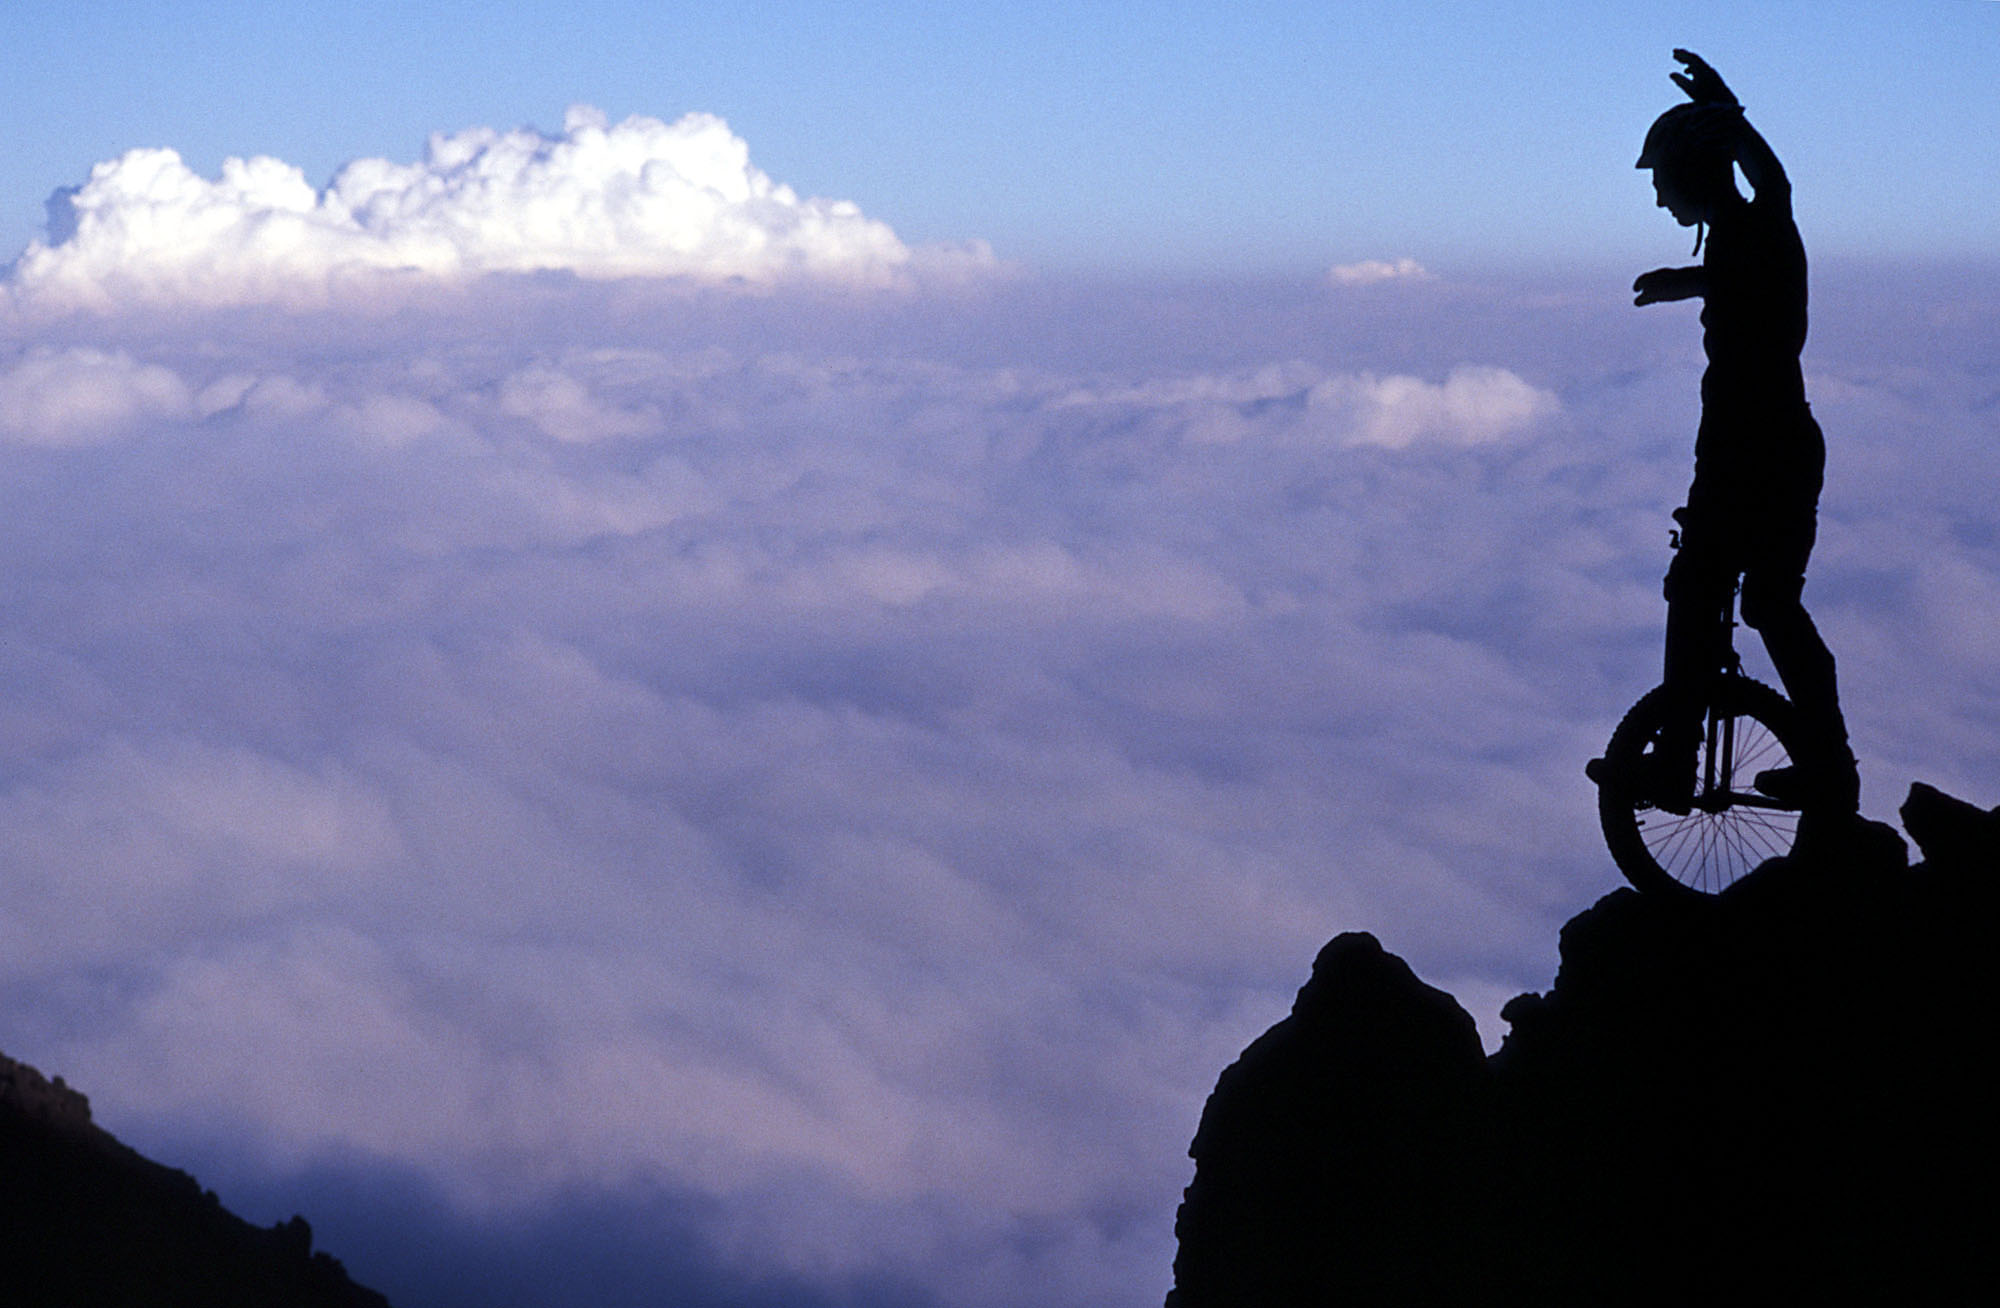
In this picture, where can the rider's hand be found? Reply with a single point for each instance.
(1703, 84)
(1664, 284)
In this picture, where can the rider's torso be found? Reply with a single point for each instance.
(1758, 440)
(1754, 311)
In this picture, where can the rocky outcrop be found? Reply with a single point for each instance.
(32, 1097)
(86, 1222)
(1375, 1074)
(1780, 1094)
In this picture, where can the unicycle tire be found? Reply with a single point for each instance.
(1705, 851)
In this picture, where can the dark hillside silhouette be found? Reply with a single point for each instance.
(87, 1223)
(1780, 1093)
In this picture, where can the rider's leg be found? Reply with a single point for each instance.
(1771, 604)
(1697, 588)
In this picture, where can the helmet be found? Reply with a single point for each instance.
(1689, 137)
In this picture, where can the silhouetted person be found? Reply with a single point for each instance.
(1759, 455)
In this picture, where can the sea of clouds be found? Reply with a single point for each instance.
(620, 790)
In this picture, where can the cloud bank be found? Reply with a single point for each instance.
(1369, 271)
(638, 198)
(80, 395)
(834, 788)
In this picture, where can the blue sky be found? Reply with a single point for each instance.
(620, 734)
(1171, 136)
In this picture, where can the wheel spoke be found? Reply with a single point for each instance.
(1760, 836)
(1667, 849)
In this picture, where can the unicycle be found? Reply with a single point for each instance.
(1731, 826)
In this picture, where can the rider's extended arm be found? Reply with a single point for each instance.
(1663, 284)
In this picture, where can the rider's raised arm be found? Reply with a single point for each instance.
(1705, 87)
(1760, 166)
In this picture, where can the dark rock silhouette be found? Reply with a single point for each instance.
(1781, 1093)
(1374, 1075)
(86, 1222)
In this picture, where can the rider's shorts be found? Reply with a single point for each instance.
(1753, 509)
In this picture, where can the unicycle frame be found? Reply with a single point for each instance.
(1714, 789)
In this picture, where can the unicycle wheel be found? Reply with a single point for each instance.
(1731, 828)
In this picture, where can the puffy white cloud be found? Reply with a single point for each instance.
(1369, 271)
(1473, 405)
(81, 395)
(1298, 402)
(638, 198)
(564, 407)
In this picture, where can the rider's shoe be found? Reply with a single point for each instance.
(1835, 790)
(1670, 789)
(1787, 785)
